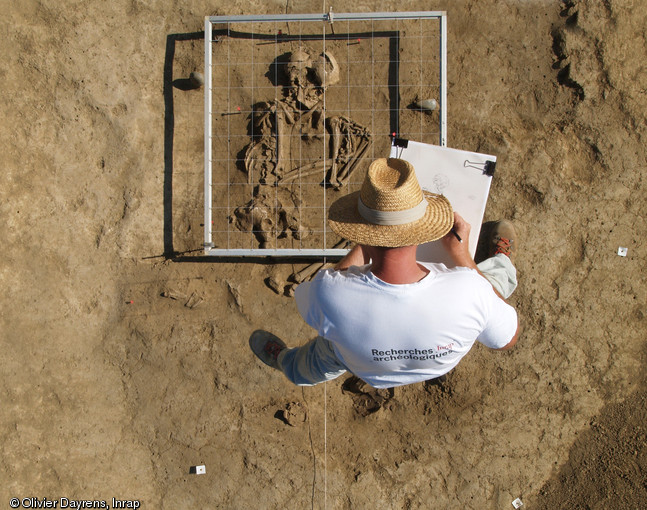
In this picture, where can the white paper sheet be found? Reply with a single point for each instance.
(460, 176)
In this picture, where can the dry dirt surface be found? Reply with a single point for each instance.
(124, 355)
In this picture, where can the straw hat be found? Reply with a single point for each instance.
(391, 210)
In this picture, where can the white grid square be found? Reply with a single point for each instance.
(404, 57)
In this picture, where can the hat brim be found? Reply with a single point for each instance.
(344, 219)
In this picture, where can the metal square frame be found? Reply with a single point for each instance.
(209, 249)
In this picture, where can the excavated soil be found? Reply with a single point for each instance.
(125, 361)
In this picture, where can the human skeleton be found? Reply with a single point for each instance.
(301, 115)
(271, 159)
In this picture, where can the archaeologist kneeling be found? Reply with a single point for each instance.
(382, 315)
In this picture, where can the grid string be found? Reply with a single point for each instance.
(324, 260)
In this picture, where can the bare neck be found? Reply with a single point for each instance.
(397, 266)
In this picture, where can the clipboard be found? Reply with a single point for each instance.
(463, 177)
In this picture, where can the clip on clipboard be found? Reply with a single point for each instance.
(487, 167)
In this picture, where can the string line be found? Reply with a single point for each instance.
(324, 261)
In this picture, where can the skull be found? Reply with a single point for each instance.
(308, 79)
(325, 70)
(297, 68)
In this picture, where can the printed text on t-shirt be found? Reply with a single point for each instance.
(414, 354)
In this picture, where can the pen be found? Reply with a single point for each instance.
(457, 236)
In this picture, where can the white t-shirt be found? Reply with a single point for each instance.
(390, 335)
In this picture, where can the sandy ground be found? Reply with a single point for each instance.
(111, 390)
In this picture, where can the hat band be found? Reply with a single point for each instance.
(391, 217)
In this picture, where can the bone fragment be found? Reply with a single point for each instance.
(234, 292)
(307, 272)
(194, 301)
(274, 284)
(347, 169)
(295, 414)
(336, 143)
(174, 294)
(287, 112)
(283, 133)
(304, 171)
(306, 116)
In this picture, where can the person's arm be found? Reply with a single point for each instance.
(460, 255)
(512, 342)
(459, 251)
(355, 257)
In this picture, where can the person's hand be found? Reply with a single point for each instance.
(459, 250)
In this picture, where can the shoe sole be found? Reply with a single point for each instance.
(257, 341)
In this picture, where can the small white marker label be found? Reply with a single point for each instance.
(517, 503)
(200, 470)
(622, 251)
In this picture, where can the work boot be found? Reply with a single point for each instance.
(267, 347)
(503, 239)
